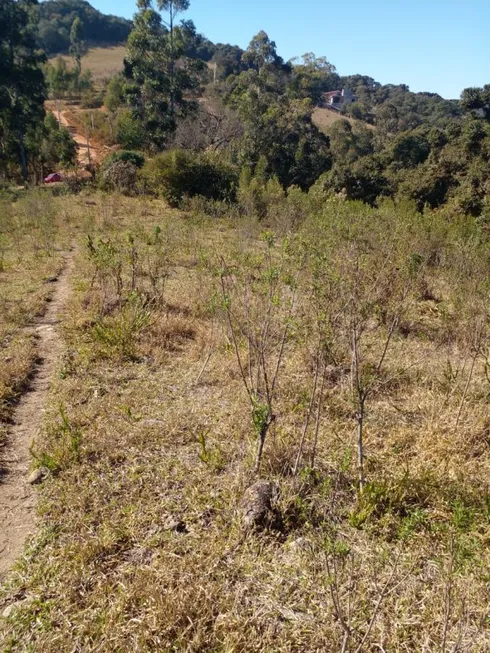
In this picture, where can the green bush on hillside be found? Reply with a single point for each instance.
(130, 156)
(176, 174)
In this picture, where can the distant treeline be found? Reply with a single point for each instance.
(56, 18)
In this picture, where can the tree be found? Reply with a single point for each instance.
(56, 20)
(312, 76)
(477, 100)
(261, 52)
(22, 88)
(50, 146)
(228, 60)
(78, 47)
(114, 96)
(154, 86)
(173, 7)
(277, 127)
(59, 79)
(410, 149)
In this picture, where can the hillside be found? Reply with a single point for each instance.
(325, 118)
(244, 348)
(56, 18)
(103, 62)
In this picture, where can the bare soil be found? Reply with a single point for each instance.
(17, 496)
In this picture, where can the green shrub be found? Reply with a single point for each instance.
(130, 156)
(178, 173)
(92, 100)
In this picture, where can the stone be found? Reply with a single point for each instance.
(174, 524)
(139, 556)
(300, 545)
(38, 475)
(257, 503)
(13, 607)
(151, 422)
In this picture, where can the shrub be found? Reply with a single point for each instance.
(177, 173)
(91, 100)
(130, 156)
(119, 175)
(119, 171)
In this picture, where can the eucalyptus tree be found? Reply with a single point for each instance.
(173, 8)
(155, 86)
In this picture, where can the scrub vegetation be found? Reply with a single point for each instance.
(335, 350)
(269, 427)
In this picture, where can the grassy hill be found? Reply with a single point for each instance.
(103, 62)
(325, 118)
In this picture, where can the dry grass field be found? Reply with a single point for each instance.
(325, 118)
(188, 338)
(104, 63)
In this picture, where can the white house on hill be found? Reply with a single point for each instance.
(337, 99)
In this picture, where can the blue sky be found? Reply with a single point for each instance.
(441, 46)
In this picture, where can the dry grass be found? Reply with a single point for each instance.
(104, 63)
(325, 118)
(140, 546)
(32, 239)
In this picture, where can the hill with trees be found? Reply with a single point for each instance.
(178, 89)
(56, 19)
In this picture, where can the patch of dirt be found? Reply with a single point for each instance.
(81, 140)
(17, 496)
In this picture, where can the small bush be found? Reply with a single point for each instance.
(91, 100)
(130, 156)
(120, 176)
(177, 173)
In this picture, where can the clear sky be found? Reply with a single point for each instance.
(441, 46)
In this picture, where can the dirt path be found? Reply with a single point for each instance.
(80, 140)
(96, 151)
(17, 497)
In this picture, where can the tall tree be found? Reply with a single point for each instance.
(78, 46)
(261, 52)
(155, 85)
(59, 79)
(173, 7)
(22, 89)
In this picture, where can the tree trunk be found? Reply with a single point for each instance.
(23, 159)
(172, 64)
(260, 446)
(88, 145)
(360, 446)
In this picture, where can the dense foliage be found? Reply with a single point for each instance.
(29, 144)
(179, 91)
(56, 19)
